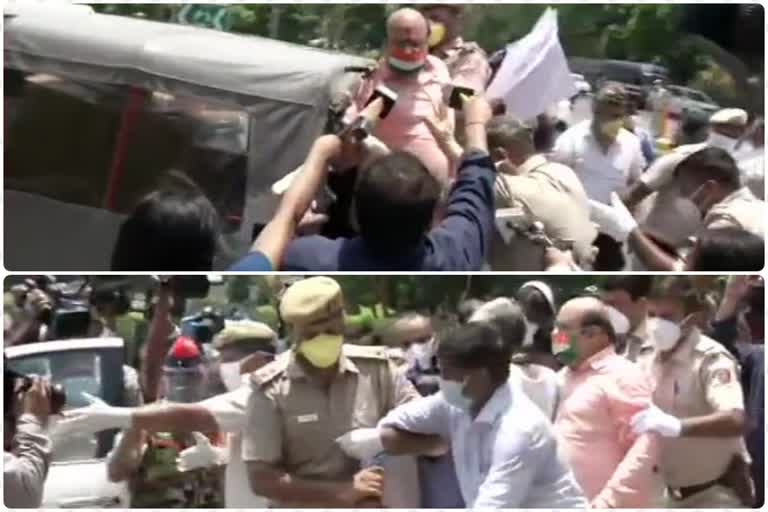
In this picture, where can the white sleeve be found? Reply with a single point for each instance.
(563, 151)
(427, 415)
(229, 409)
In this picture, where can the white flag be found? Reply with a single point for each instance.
(534, 73)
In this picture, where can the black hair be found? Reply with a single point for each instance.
(395, 200)
(111, 294)
(710, 164)
(601, 320)
(467, 308)
(637, 286)
(174, 228)
(508, 319)
(728, 249)
(680, 288)
(476, 345)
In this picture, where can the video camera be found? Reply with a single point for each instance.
(15, 382)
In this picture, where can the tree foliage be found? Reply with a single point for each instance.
(639, 32)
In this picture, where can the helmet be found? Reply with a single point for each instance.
(184, 372)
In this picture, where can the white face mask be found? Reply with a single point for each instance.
(453, 393)
(718, 140)
(422, 354)
(531, 328)
(230, 375)
(666, 334)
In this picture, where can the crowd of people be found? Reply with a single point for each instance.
(441, 184)
(640, 393)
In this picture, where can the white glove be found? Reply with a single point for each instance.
(614, 220)
(654, 419)
(361, 444)
(94, 418)
(202, 455)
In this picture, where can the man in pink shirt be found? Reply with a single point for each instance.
(420, 81)
(601, 391)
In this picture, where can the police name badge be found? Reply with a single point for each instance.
(307, 418)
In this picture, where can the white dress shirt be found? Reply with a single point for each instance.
(601, 172)
(506, 457)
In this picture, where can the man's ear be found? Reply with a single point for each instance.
(499, 154)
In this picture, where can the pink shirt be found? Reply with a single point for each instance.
(404, 128)
(614, 466)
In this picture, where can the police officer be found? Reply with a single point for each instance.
(531, 189)
(310, 396)
(467, 62)
(155, 480)
(698, 408)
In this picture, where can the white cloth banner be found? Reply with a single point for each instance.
(534, 73)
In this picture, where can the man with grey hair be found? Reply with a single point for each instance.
(537, 201)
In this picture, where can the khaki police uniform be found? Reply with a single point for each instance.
(700, 378)
(293, 421)
(467, 64)
(742, 210)
(552, 194)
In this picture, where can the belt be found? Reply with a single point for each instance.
(682, 493)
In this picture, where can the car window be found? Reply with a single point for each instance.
(78, 372)
(204, 140)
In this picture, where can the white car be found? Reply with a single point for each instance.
(78, 473)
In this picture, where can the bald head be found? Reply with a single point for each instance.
(411, 328)
(589, 325)
(407, 19)
(572, 311)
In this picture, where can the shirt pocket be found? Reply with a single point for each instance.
(367, 407)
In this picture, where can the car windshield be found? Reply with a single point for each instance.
(78, 372)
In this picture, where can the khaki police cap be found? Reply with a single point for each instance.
(244, 330)
(732, 116)
(312, 301)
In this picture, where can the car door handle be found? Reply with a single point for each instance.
(100, 502)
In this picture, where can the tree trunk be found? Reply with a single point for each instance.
(274, 21)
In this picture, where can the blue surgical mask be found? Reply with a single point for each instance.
(453, 392)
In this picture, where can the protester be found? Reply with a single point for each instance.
(698, 408)
(420, 79)
(745, 295)
(27, 446)
(539, 307)
(606, 157)
(175, 228)
(298, 464)
(437, 475)
(629, 295)
(538, 382)
(530, 189)
(467, 62)
(398, 191)
(505, 449)
(601, 393)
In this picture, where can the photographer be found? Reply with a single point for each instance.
(27, 446)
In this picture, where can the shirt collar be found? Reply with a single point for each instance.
(295, 370)
(499, 403)
(531, 164)
(599, 360)
(684, 352)
(454, 46)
